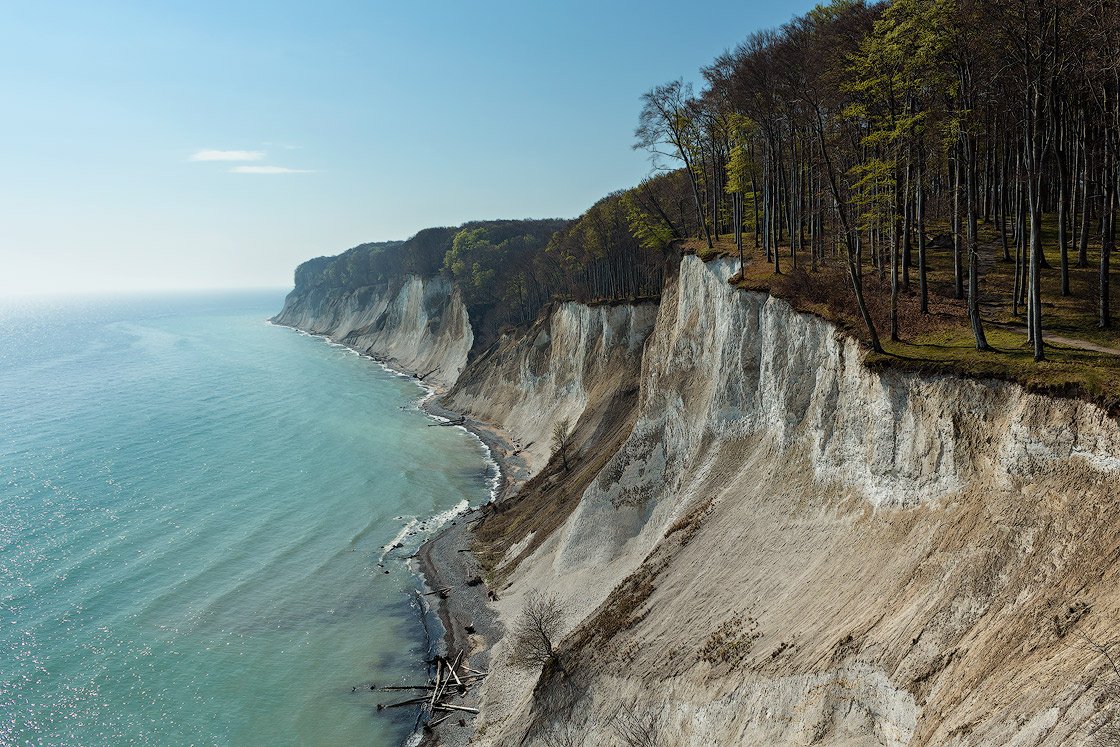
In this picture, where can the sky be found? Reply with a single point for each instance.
(217, 144)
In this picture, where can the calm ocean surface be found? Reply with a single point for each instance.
(193, 507)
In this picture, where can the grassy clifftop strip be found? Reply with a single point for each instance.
(1082, 360)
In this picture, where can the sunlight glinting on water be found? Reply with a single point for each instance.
(195, 506)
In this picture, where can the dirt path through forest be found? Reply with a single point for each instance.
(1052, 339)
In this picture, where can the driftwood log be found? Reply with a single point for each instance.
(410, 701)
(457, 421)
(450, 707)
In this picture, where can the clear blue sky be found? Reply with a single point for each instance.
(355, 121)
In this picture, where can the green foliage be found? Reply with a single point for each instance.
(362, 265)
(873, 190)
(472, 257)
(652, 233)
(617, 248)
(489, 264)
(901, 71)
(597, 234)
(498, 267)
(741, 163)
(899, 80)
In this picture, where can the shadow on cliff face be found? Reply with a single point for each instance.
(544, 503)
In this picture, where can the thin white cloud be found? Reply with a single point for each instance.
(268, 170)
(227, 155)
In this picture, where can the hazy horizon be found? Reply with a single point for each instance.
(217, 147)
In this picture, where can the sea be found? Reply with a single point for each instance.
(205, 524)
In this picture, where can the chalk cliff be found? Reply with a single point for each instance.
(573, 357)
(775, 544)
(417, 325)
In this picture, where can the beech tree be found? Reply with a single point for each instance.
(877, 127)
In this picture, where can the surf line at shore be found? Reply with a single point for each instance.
(435, 549)
(425, 527)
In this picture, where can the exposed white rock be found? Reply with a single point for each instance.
(908, 545)
(725, 364)
(419, 326)
(528, 383)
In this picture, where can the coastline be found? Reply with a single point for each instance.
(698, 473)
(445, 564)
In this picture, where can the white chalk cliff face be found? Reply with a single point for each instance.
(726, 366)
(575, 356)
(814, 552)
(789, 548)
(418, 326)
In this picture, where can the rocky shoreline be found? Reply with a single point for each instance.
(447, 566)
(453, 576)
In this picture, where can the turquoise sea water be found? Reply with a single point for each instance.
(193, 509)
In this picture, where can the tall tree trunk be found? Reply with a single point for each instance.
(754, 207)
(1063, 206)
(1035, 144)
(851, 239)
(1086, 206)
(1108, 240)
(923, 289)
(699, 207)
(1074, 192)
(896, 248)
(814, 217)
(794, 208)
(907, 224)
(1035, 276)
(1025, 250)
(973, 248)
(958, 264)
(1017, 283)
(1001, 207)
(737, 204)
(766, 245)
(987, 190)
(776, 211)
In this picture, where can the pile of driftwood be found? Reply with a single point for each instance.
(448, 685)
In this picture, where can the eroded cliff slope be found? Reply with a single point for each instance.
(791, 549)
(574, 356)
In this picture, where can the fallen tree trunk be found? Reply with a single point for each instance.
(449, 707)
(457, 421)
